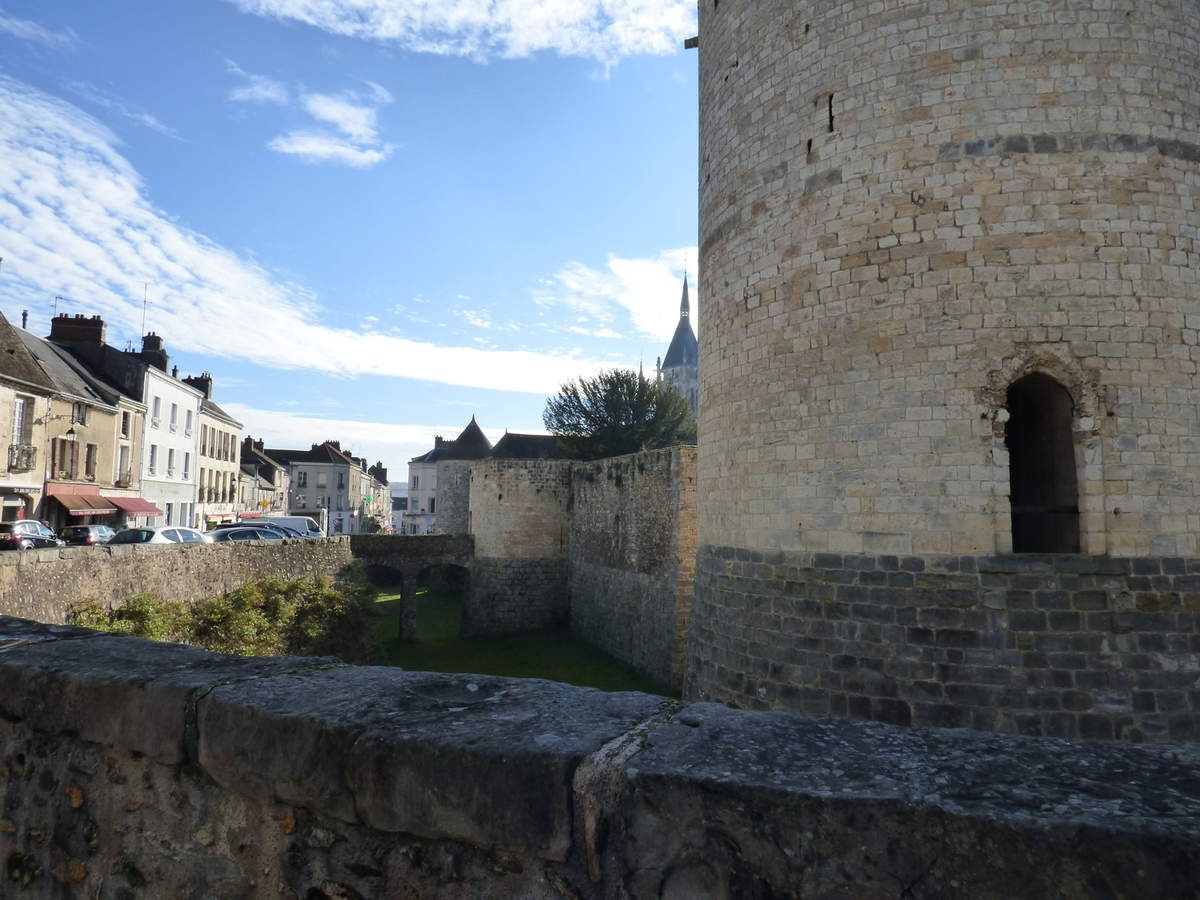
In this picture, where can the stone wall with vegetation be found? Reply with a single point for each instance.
(633, 556)
(519, 520)
(131, 768)
(44, 584)
(1061, 646)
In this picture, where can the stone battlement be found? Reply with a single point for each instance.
(127, 763)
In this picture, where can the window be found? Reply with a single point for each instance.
(432, 500)
(153, 467)
(170, 521)
(204, 440)
(174, 416)
(187, 427)
(341, 479)
(302, 479)
(156, 414)
(22, 424)
(1043, 486)
(416, 482)
(171, 461)
(322, 480)
(89, 461)
(79, 414)
(187, 464)
(66, 459)
(123, 473)
(125, 424)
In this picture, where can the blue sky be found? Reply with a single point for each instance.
(369, 219)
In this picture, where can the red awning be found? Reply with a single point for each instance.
(85, 504)
(136, 505)
(55, 489)
(249, 515)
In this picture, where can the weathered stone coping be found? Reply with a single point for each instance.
(623, 788)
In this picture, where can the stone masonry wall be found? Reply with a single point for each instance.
(519, 520)
(905, 206)
(632, 557)
(453, 496)
(1063, 646)
(133, 769)
(44, 584)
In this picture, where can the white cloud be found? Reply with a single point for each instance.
(257, 88)
(604, 30)
(353, 140)
(316, 147)
(28, 30)
(647, 288)
(74, 221)
(104, 99)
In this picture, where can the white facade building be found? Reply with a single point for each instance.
(169, 453)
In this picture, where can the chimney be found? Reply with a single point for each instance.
(77, 329)
(24, 319)
(175, 372)
(202, 382)
(154, 352)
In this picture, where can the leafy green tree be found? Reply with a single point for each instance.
(619, 411)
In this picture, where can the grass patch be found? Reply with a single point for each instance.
(556, 655)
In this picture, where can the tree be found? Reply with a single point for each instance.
(618, 411)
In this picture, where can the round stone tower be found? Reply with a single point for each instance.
(952, 301)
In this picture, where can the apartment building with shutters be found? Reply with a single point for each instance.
(219, 459)
(25, 393)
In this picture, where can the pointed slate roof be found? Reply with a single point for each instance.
(684, 351)
(471, 444)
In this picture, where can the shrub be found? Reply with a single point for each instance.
(271, 617)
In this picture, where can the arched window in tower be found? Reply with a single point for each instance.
(1044, 487)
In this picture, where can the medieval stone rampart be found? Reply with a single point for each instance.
(519, 519)
(905, 207)
(908, 210)
(131, 767)
(44, 584)
(453, 496)
(633, 557)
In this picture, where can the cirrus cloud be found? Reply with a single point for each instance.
(605, 30)
(75, 221)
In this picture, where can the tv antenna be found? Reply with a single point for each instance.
(58, 298)
(145, 303)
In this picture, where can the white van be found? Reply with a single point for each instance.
(303, 524)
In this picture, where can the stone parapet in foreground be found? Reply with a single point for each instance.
(132, 768)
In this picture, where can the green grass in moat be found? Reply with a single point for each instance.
(556, 655)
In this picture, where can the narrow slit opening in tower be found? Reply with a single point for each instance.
(1044, 487)
(831, 113)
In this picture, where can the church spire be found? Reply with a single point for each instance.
(685, 307)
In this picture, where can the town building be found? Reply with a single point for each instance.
(167, 448)
(25, 393)
(263, 484)
(93, 436)
(335, 488)
(421, 516)
(219, 459)
(680, 368)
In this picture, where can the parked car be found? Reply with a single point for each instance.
(27, 534)
(303, 524)
(283, 530)
(171, 534)
(254, 533)
(86, 535)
